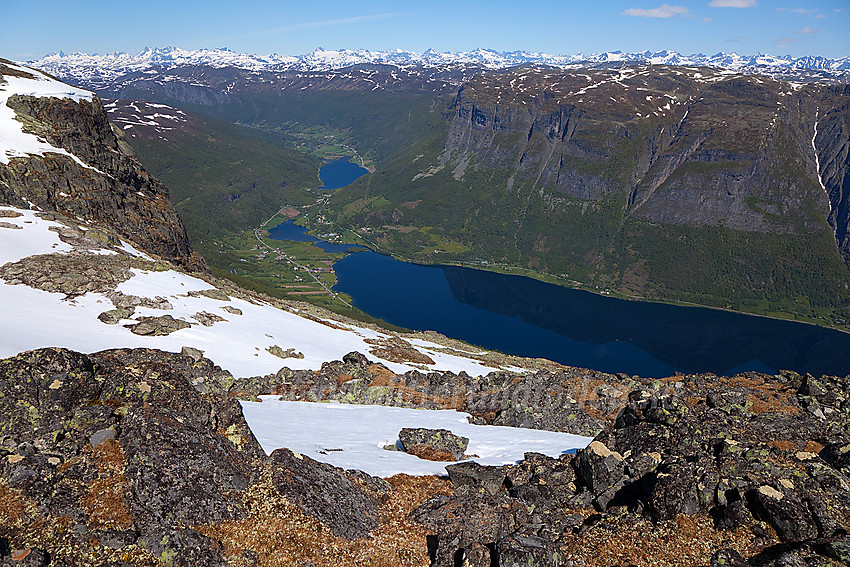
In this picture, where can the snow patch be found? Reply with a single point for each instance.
(36, 238)
(237, 343)
(353, 436)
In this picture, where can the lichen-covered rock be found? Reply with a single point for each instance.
(211, 293)
(477, 477)
(327, 493)
(157, 326)
(463, 520)
(791, 519)
(281, 353)
(71, 274)
(433, 444)
(599, 467)
(124, 447)
(113, 316)
(207, 319)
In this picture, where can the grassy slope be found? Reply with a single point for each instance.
(226, 178)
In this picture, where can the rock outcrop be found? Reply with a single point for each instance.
(111, 190)
(749, 464)
(119, 458)
(574, 400)
(730, 151)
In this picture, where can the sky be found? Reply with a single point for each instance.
(33, 28)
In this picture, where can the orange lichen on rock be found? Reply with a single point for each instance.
(106, 501)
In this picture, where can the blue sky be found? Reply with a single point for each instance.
(33, 28)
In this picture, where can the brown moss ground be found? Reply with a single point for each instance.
(26, 528)
(282, 534)
(684, 542)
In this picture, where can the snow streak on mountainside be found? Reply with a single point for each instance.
(95, 69)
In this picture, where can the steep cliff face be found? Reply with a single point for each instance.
(693, 148)
(831, 142)
(83, 169)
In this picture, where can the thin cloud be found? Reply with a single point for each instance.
(736, 38)
(326, 23)
(732, 3)
(796, 10)
(806, 31)
(663, 11)
(821, 17)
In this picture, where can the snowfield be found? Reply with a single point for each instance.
(238, 343)
(353, 436)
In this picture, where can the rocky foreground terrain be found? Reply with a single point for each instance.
(141, 457)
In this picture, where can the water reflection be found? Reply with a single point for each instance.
(691, 339)
(526, 317)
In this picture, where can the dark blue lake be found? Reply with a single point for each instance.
(526, 317)
(339, 173)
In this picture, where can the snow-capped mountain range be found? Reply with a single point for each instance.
(110, 66)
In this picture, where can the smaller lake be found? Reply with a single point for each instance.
(339, 173)
(334, 174)
(290, 231)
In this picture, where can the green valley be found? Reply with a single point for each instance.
(673, 184)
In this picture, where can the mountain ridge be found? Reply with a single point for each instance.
(94, 67)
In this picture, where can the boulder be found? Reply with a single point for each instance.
(433, 444)
(327, 493)
(113, 316)
(477, 477)
(599, 467)
(461, 521)
(157, 326)
(790, 517)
